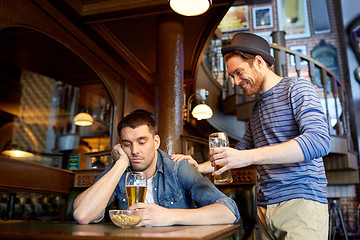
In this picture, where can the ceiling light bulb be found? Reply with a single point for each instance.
(190, 7)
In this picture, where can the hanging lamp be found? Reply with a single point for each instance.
(190, 7)
(83, 119)
(200, 111)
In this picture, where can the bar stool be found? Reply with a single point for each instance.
(336, 215)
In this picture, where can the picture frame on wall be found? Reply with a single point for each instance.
(301, 49)
(236, 19)
(293, 18)
(262, 17)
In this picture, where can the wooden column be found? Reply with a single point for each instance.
(170, 77)
(280, 65)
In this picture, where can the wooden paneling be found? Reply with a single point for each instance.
(16, 175)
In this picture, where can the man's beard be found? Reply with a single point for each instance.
(256, 84)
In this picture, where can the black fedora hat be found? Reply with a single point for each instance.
(250, 43)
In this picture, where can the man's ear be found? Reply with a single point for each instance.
(157, 141)
(259, 61)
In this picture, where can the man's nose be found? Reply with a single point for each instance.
(237, 80)
(134, 149)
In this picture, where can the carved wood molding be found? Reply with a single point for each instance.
(246, 175)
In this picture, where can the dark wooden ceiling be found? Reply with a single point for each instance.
(127, 31)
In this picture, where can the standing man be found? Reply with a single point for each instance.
(176, 193)
(286, 137)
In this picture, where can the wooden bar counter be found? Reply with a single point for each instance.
(69, 231)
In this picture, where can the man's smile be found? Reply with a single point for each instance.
(243, 84)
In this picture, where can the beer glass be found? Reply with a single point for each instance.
(136, 185)
(220, 139)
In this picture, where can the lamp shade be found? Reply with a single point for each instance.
(202, 111)
(83, 119)
(190, 7)
(17, 153)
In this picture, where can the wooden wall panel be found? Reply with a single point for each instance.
(16, 175)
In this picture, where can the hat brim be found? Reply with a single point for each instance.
(266, 56)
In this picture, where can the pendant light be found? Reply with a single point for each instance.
(202, 110)
(17, 153)
(83, 119)
(190, 7)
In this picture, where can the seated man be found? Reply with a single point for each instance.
(177, 193)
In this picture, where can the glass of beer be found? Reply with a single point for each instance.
(220, 139)
(136, 185)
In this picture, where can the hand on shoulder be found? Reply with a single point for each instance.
(188, 158)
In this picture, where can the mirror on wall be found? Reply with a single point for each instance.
(43, 87)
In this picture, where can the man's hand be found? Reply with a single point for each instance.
(230, 157)
(118, 154)
(204, 167)
(282, 153)
(89, 205)
(153, 214)
(188, 158)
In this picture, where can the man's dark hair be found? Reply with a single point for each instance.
(138, 118)
(248, 57)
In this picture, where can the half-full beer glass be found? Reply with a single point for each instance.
(220, 139)
(136, 185)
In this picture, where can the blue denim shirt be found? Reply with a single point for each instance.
(177, 185)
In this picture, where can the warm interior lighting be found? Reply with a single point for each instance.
(83, 119)
(15, 153)
(20, 141)
(190, 7)
(202, 111)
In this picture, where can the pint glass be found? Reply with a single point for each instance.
(136, 185)
(220, 139)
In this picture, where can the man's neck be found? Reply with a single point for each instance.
(271, 79)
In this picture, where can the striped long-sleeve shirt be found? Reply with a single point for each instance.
(290, 110)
